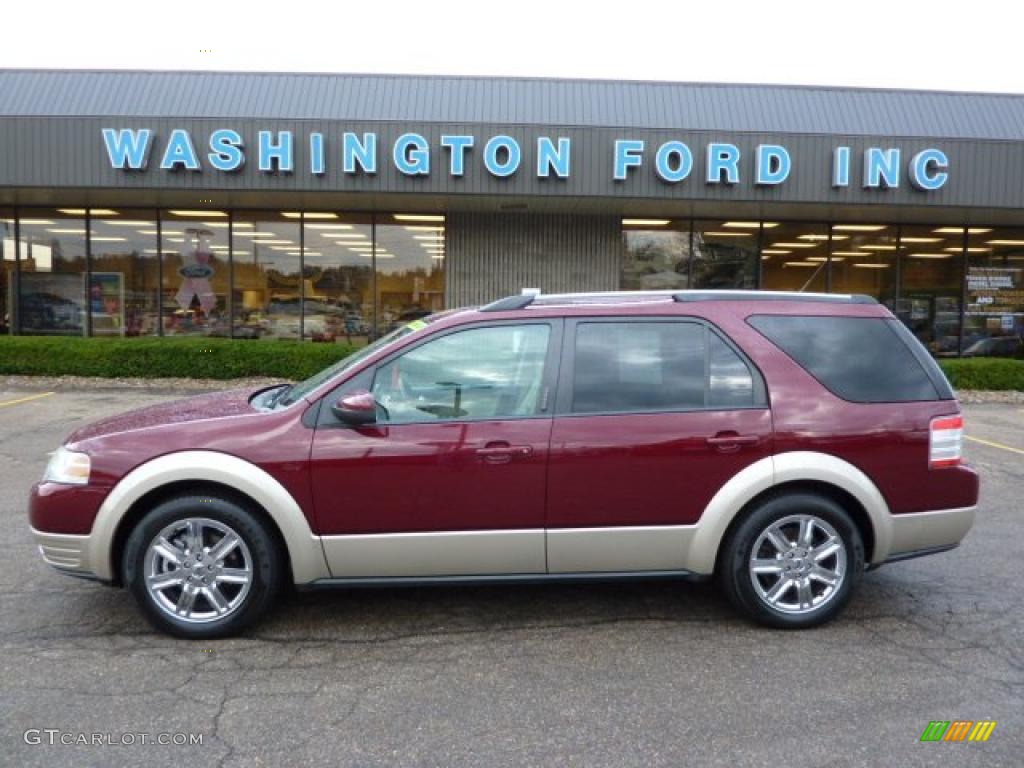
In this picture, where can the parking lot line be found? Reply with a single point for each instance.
(994, 445)
(25, 399)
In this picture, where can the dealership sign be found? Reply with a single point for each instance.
(503, 156)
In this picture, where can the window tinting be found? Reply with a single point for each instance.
(638, 367)
(861, 359)
(481, 373)
(731, 383)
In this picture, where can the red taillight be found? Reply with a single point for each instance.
(946, 440)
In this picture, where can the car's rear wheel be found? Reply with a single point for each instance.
(201, 566)
(793, 561)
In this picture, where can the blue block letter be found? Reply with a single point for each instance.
(127, 148)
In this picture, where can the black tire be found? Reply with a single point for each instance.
(259, 550)
(750, 592)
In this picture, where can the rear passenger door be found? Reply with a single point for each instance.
(653, 416)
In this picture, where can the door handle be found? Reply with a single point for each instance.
(730, 442)
(502, 453)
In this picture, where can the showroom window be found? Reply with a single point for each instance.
(655, 254)
(994, 316)
(338, 275)
(409, 253)
(124, 279)
(8, 271)
(267, 294)
(725, 254)
(794, 256)
(931, 283)
(51, 286)
(196, 272)
(868, 266)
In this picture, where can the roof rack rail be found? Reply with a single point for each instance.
(509, 303)
(828, 298)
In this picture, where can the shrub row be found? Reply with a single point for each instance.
(194, 358)
(198, 358)
(985, 373)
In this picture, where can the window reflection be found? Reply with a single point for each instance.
(725, 254)
(124, 280)
(931, 275)
(8, 266)
(794, 256)
(338, 274)
(196, 272)
(868, 266)
(267, 294)
(409, 254)
(51, 285)
(655, 254)
(994, 316)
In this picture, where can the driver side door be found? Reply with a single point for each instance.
(451, 479)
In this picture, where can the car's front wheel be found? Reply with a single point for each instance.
(793, 561)
(201, 566)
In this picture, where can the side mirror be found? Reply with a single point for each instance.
(357, 408)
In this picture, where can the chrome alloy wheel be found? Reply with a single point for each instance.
(797, 564)
(198, 570)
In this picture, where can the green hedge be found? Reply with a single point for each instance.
(193, 358)
(985, 373)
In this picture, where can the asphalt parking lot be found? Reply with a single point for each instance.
(644, 674)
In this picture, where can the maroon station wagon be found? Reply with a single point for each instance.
(781, 443)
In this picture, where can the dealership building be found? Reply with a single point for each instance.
(330, 207)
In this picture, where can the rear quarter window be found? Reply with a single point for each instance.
(860, 359)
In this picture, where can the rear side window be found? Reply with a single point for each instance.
(656, 366)
(860, 359)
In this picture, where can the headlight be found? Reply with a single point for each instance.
(68, 467)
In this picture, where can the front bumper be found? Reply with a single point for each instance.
(67, 552)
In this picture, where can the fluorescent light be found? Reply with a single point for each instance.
(274, 242)
(773, 252)
(877, 247)
(794, 245)
(858, 227)
(728, 234)
(645, 222)
(66, 231)
(801, 264)
(417, 217)
(1000, 242)
(871, 266)
(298, 215)
(921, 239)
(969, 250)
(821, 237)
(434, 238)
(218, 247)
(425, 228)
(328, 226)
(108, 239)
(200, 214)
(95, 211)
(750, 224)
(220, 224)
(130, 223)
(36, 221)
(153, 232)
(255, 234)
(850, 253)
(960, 230)
(344, 235)
(930, 255)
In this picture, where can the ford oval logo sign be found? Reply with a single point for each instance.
(196, 271)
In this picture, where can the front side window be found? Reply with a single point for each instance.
(480, 373)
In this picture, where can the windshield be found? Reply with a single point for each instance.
(303, 388)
